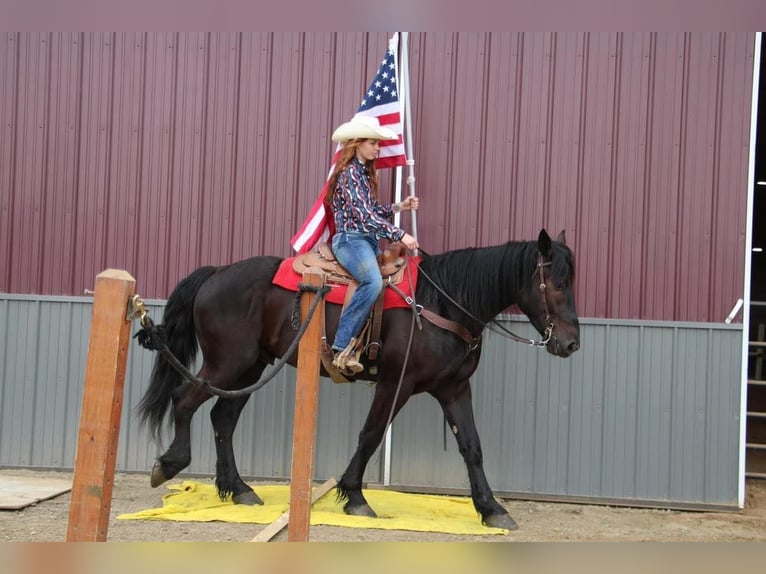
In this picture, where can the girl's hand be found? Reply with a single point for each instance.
(411, 202)
(410, 242)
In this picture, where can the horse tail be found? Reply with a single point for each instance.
(178, 324)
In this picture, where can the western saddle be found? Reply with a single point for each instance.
(392, 264)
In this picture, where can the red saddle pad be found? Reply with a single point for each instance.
(287, 278)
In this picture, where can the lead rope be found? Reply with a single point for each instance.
(153, 338)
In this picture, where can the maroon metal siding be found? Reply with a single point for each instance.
(157, 153)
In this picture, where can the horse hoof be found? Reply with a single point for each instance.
(157, 476)
(248, 498)
(363, 510)
(501, 521)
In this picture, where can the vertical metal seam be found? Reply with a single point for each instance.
(263, 231)
(35, 369)
(65, 369)
(648, 165)
(451, 106)
(716, 174)
(4, 362)
(77, 175)
(483, 122)
(602, 447)
(681, 177)
(637, 423)
(140, 141)
(707, 439)
(549, 121)
(109, 144)
(237, 96)
(13, 179)
(611, 303)
(45, 169)
(300, 94)
(581, 135)
(516, 143)
(203, 150)
(171, 175)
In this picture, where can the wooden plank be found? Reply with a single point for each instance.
(20, 491)
(273, 529)
(93, 480)
(306, 404)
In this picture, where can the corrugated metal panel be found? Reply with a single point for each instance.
(644, 412)
(157, 153)
(43, 352)
(654, 419)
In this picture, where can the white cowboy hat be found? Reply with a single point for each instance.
(362, 127)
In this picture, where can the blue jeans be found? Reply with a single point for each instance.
(357, 252)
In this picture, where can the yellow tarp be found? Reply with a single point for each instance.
(197, 502)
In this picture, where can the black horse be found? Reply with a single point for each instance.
(242, 322)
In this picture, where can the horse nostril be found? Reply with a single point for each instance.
(573, 346)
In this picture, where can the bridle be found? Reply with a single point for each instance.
(544, 298)
(495, 324)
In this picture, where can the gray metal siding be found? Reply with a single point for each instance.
(653, 418)
(644, 412)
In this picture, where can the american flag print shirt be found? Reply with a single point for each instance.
(355, 210)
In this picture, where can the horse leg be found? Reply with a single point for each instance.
(186, 400)
(350, 485)
(224, 417)
(458, 409)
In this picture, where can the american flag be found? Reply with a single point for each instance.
(382, 101)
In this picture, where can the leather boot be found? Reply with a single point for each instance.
(348, 359)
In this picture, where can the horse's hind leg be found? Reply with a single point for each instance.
(186, 400)
(457, 406)
(224, 417)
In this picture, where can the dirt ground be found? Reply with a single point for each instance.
(538, 521)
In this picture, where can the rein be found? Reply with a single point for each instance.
(503, 331)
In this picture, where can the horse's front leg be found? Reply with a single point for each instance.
(350, 485)
(457, 405)
(224, 416)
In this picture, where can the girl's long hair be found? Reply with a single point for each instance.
(347, 154)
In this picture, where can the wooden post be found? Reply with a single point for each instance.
(306, 404)
(91, 497)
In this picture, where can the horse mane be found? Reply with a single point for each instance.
(482, 279)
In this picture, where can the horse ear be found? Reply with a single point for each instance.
(562, 238)
(544, 243)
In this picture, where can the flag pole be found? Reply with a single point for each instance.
(395, 44)
(409, 148)
(404, 111)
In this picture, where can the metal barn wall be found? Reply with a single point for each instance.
(157, 153)
(641, 415)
